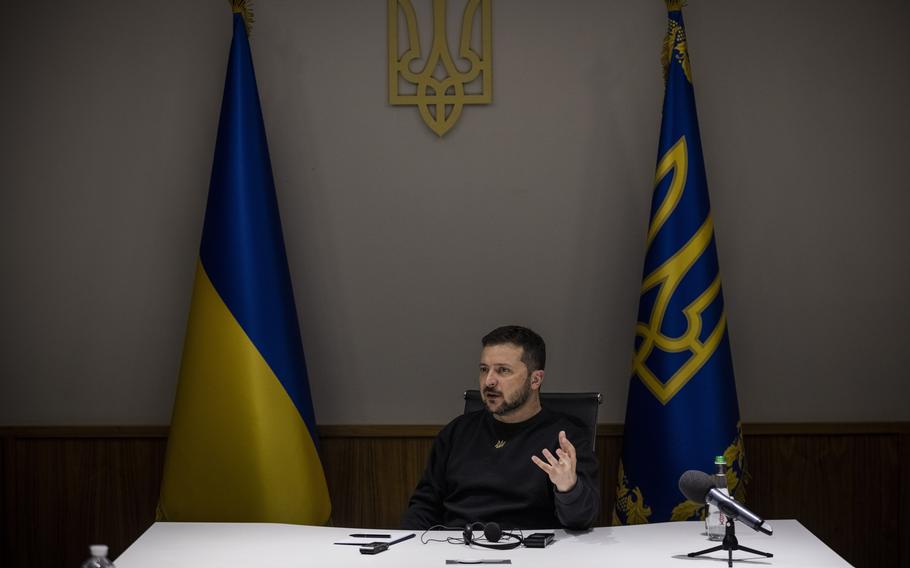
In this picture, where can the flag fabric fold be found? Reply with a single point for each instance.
(682, 409)
(243, 443)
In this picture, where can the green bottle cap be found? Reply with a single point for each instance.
(720, 460)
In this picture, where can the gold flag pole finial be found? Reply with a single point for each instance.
(245, 9)
(670, 39)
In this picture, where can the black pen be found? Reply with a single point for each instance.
(402, 539)
(370, 535)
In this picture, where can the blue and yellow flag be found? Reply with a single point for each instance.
(243, 442)
(682, 409)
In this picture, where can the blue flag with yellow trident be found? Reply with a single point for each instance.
(682, 409)
(243, 442)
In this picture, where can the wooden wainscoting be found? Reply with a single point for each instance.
(62, 488)
(65, 488)
(847, 483)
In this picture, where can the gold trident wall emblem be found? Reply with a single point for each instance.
(440, 88)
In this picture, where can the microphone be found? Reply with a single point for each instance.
(698, 486)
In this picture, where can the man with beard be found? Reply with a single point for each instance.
(484, 465)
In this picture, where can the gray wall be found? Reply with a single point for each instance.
(405, 248)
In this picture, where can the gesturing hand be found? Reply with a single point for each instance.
(561, 469)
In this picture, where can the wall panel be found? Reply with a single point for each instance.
(68, 488)
(843, 488)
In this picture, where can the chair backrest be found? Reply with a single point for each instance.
(581, 405)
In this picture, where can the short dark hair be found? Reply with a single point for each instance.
(534, 350)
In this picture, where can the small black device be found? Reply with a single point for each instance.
(538, 540)
(374, 548)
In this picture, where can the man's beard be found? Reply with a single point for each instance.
(511, 406)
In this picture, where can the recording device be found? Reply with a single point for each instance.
(493, 533)
(698, 486)
(538, 540)
(374, 548)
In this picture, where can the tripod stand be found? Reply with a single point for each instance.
(729, 544)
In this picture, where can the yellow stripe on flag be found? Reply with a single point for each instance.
(238, 449)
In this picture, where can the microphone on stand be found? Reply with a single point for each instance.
(699, 487)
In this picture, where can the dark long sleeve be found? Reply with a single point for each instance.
(579, 508)
(425, 507)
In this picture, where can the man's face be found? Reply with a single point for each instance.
(505, 383)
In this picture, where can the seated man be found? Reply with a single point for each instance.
(483, 465)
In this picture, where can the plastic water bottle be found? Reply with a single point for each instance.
(716, 521)
(99, 557)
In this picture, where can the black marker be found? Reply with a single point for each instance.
(369, 535)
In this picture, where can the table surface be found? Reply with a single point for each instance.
(263, 545)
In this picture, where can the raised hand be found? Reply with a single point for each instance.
(560, 468)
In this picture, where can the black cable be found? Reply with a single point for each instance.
(424, 539)
(450, 540)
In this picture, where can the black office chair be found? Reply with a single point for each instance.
(581, 405)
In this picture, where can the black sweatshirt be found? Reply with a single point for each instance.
(469, 479)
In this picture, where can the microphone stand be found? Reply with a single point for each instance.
(729, 544)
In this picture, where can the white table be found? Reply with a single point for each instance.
(242, 545)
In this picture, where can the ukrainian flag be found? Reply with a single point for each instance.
(682, 409)
(243, 442)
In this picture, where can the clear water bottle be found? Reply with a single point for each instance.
(99, 557)
(715, 520)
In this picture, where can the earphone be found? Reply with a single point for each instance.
(492, 532)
